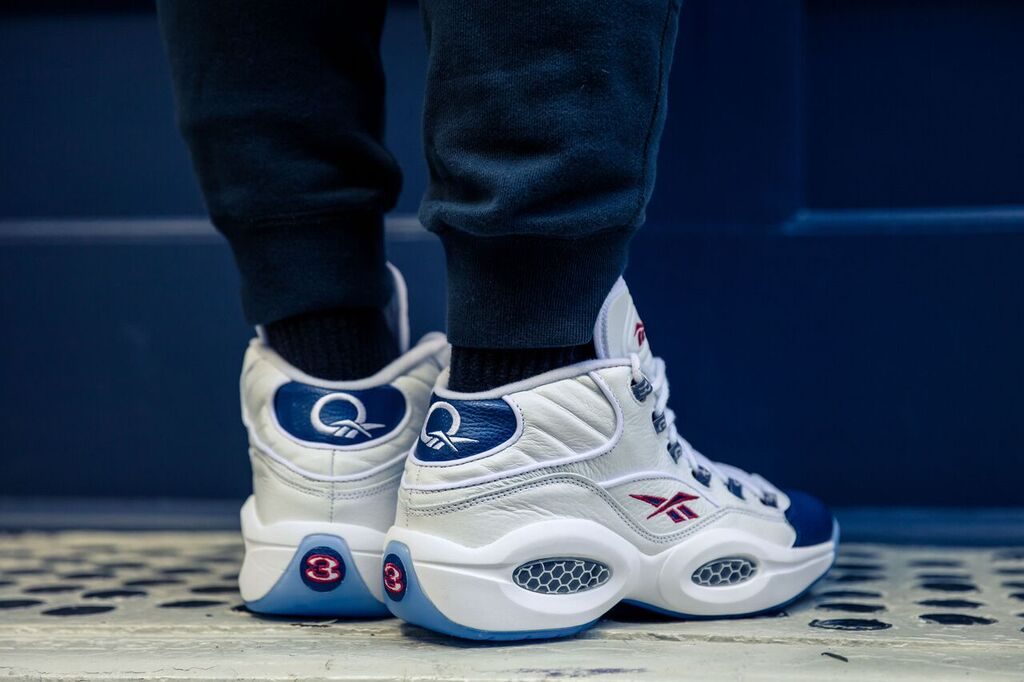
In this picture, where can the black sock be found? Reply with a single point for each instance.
(340, 344)
(481, 369)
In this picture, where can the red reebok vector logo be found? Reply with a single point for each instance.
(674, 507)
(639, 333)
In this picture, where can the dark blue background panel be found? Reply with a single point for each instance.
(730, 153)
(120, 357)
(774, 105)
(87, 114)
(872, 370)
(912, 103)
(832, 265)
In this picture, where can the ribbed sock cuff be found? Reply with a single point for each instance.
(481, 369)
(341, 344)
(291, 265)
(526, 291)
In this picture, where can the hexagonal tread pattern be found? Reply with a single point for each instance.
(561, 576)
(723, 572)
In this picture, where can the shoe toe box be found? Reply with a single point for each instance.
(810, 518)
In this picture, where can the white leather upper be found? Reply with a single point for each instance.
(295, 480)
(586, 447)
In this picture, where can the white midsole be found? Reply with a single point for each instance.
(270, 547)
(473, 586)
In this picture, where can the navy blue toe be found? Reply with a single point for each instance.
(810, 518)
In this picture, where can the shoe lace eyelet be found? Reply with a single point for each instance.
(702, 475)
(769, 500)
(675, 451)
(658, 419)
(641, 389)
(735, 487)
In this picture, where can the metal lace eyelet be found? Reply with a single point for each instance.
(735, 487)
(703, 476)
(675, 451)
(641, 389)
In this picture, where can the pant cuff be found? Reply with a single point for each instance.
(527, 291)
(290, 266)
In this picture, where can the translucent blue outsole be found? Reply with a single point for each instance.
(413, 606)
(347, 597)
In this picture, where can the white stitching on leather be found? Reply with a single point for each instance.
(588, 486)
(257, 442)
(604, 448)
(539, 396)
(371, 491)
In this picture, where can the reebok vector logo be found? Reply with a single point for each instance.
(435, 437)
(456, 429)
(640, 334)
(674, 507)
(346, 427)
(339, 418)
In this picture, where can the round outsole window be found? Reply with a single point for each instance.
(724, 572)
(561, 576)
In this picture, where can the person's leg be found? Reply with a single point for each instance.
(282, 106)
(529, 510)
(542, 123)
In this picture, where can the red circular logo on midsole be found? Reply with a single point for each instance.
(394, 577)
(322, 569)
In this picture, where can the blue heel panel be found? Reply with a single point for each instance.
(415, 607)
(292, 596)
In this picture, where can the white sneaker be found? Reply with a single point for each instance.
(327, 457)
(531, 510)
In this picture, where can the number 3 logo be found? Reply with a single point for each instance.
(394, 577)
(322, 569)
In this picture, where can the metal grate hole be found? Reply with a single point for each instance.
(724, 572)
(561, 576)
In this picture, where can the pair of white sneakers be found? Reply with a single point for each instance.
(527, 511)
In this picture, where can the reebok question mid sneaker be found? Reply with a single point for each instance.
(530, 510)
(327, 457)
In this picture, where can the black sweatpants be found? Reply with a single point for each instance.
(541, 126)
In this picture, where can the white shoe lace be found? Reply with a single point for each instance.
(680, 449)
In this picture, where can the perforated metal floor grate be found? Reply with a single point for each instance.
(155, 604)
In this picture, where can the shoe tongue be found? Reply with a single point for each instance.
(619, 331)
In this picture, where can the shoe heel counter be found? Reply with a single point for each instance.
(466, 442)
(280, 494)
(329, 451)
(304, 423)
(524, 451)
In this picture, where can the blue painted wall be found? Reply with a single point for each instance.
(833, 264)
